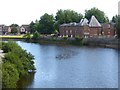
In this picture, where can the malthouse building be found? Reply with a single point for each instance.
(86, 30)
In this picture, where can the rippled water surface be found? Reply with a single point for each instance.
(72, 67)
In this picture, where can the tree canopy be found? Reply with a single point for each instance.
(114, 19)
(118, 25)
(67, 16)
(100, 15)
(14, 29)
(32, 27)
(46, 24)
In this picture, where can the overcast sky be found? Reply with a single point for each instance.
(25, 11)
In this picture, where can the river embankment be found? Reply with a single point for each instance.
(109, 42)
(103, 42)
(94, 42)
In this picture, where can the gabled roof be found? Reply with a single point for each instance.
(94, 22)
(84, 22)
(6, 27)
(81, 21)
(1, 25)
(27, 27)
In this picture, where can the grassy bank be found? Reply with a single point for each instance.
(13, 37)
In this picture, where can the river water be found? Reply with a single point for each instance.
(71, 67)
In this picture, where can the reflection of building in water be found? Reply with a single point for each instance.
(87, 29)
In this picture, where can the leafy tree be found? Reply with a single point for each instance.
(114, 19)
(16, 25)
(34, 26)
(118, 26)
(36, 35)
(46, 24)
(100, 15)
(14, 29)
(66, 16)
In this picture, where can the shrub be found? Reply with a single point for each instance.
(16, 64)
(36, 35)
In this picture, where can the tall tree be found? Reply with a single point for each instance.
(100, 15)
(118, 26)
(32, 27)
(114, 18)
(14, 28)
(46, 24)
(67, 16)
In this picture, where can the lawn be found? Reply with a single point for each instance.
(12, 37)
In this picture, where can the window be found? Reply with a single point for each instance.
(66, 31)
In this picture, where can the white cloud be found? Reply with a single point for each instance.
(24, 11)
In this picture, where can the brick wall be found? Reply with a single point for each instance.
(86, 31)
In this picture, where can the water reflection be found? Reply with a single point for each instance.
(65, 54)
(73, 67)
(26, 81)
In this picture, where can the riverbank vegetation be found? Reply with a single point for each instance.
(16, 64)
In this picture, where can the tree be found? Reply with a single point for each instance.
(36, 35)
(14, 29)
(66, 16)
(100, 15)
(46, 24)
(114, 19)
(118, 26)
(32, 27)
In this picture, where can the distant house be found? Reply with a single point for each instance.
(6, 29)
(24, 29)
(86, 29)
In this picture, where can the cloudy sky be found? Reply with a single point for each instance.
(25, 11)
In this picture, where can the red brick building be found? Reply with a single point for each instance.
(85, 29)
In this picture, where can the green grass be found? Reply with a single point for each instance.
(14, 36)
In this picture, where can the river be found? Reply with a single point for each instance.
(71, 67)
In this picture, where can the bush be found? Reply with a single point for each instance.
(77, 41)
(77, 38)
(65, 38)
(10, 75)
(16, 64)
(36, 35)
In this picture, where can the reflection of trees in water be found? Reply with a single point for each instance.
(66, 54)
(25, 81)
